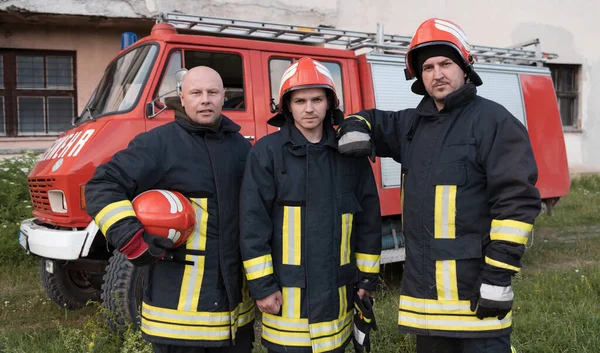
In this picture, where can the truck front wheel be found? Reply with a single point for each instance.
(122, 293)
(68, 286)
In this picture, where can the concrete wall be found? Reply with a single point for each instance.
(566, 29)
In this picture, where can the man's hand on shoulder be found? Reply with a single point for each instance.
(354, 138)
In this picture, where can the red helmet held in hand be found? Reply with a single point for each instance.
(166, 213)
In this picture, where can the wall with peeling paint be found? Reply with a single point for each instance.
(569, 30)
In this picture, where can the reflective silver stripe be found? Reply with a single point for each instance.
(367, 263)
(511, 230)
(446, 276)
(327, 343)
(445, 211)
(193, 331)
(112, 213)
(407, 303)
(205, 318)
(497, 293)
(197, 232)
(291, 229)
(289, 306)
(245, 318)
(192, 283)
(304, 339)
(449, 323)
(296, 326)
(331, 328)
(346, 234)
(259, 267)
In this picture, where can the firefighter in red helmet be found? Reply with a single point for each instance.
(469, 196)
(195, 299)
(311, 227)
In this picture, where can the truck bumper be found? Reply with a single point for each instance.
(56, 243)
(393, 255)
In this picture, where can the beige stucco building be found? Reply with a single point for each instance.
(71, 42)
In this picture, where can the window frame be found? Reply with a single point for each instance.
(572, 96)
(182, 50)
(11, 93)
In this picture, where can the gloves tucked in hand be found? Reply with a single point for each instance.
(364, 321)
(491, 301)
(144, 248)
(354, 138)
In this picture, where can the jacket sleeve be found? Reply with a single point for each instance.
(256, 227)
(511, 173)
(116, 182)
(367, 227)
(387, 129)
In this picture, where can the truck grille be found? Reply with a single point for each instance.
(38, 189)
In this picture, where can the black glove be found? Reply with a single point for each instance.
(144, 248)
(491, 301)
(354, 138)
(364, 322)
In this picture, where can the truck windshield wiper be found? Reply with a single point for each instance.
(89, 111)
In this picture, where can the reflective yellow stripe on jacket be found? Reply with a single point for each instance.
(193, 275)
(446, 315)
(323, 336)
(292, 235)
(368, 263)
(258, 267)
(177, 324)
(445, 228)
(112, 213)
(511, 231)
(345, 251)
(209, 326)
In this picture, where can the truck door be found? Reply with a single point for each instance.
(234, 67)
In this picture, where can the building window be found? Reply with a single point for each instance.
(37, 92)
(566, 85)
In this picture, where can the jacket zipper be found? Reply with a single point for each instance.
(304, 247)
(227, 290)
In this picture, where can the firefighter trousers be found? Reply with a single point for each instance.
(243, 344)
(436, 344)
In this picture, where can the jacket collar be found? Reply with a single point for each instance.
(291, 135)
(454, 100)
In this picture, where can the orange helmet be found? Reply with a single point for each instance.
(305, 73)
(437, 31)
(166, 213)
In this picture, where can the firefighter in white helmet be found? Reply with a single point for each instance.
(194, 297)
(310, 226)
(469, 196)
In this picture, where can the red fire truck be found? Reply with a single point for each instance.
(77, 264)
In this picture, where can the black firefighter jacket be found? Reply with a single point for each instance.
(469, 203)
(311, 228)
(199, 299)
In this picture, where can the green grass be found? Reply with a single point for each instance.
(579, 209)
(556, 307)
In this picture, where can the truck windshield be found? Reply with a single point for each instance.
(123, 81)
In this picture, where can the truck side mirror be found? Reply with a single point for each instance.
(154, 107)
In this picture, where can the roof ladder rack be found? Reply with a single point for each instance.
(353, 40)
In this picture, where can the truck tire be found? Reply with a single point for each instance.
(122, 293)
(68, 287)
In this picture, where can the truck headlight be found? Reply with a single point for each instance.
(58, 203)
